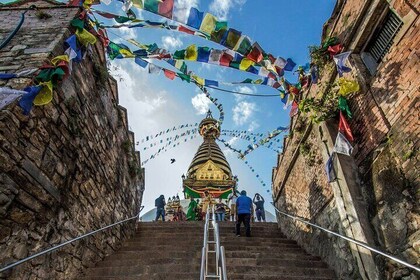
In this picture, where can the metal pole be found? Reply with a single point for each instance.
(203, 257)
(223, 260)
(361, 244)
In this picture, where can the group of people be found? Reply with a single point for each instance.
(237, 210)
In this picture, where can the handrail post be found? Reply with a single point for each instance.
(203, 259)
(223, 260)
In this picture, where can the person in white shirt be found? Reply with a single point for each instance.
(232, 205)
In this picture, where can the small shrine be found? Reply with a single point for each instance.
(209, 170)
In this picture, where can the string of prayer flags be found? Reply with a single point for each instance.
(164, 8)
(347, 86)
(163, 132)
(23, 73)
(340, 61)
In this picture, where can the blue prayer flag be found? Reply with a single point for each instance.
(195, 18)
(211, 83)
(143, 63)
(289, 65)
(27, 100)
(203, 54)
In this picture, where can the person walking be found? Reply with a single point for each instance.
(244, 210)
(232, 205)
(259, 207)
(160, 207)
(220, 211)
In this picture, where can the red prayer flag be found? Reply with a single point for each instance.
(225, 59)
(185, 30)
(333, 50)
(165, 8)
(344, 128)
(169, 74)
(256, 53)
(294, 109)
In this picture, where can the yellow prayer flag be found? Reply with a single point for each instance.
(127, 53)
(199, 80)
(137, 44)
(347, 86)
(87, 3)
(191, 53)
(85, 37)
(59, 58)
(45, 95)
(138, 4)
(208, 25)
(245, 64)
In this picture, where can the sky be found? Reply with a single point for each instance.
(154, 103)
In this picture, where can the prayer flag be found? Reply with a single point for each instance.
(143, 63)
(294, 110)
(256, 53)
(27, 100)
(199, 80)
(195, 18)
(245, 64)
(8, 95)
(6, 76)
(252, 70)
(243, 46)
(211, 83)
(185, 30)
(169, 74)
(191, 53)
(203, 54)
(314, 74)
(215, 56)
(153, 69)
(232, 38)
(344, 127)
(342, 145)
(289, 65)
(329, 168)
(136, 3)
(85, 37)
(208, 24)
(280, 62)
(45, 95)
(347, 86)
(340, 61)
(184, 77)
(179, 54)
(343, 106)
(225, 59)
(333, 50)
(151, 6)
(218, 35)
(166, 8)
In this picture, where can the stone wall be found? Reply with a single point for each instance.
(69, 167)
(386, 130)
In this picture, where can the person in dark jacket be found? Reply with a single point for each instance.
(244, 210)
(259, 207)
(160, 207)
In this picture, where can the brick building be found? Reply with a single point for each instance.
(376, 197)
(68, 167)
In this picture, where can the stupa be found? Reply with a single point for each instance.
(209, 169)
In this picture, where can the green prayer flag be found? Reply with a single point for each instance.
(121, 19)
(151, 6)
(247, 81)
(179, 54)
(184, 77)
(218, 35)
(245, 46)
(235, 64)
(343, 106)
(113, 50)
(50, 74)
(220, 25)
(77, 23)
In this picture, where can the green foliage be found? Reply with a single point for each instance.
(319, 110)
(42, 15)
(133, 169)
(306, 151)
(127, 146)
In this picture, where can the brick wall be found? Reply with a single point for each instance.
(69, 167)
(386, 130)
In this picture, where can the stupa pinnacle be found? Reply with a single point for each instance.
(209, 169)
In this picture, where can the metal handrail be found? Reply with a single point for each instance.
(218, 250)
(68, 242)
(357, 242)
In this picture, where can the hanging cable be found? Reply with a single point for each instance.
(13, 33)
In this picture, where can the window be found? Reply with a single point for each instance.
(381, 41)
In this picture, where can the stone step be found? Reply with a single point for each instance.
(195, 276)
(223, 240)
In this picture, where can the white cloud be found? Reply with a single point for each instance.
(201, 103)
(226, 151)
(221, 8)
(182, 9)
(243, 111)
(244, 89)
(128, 33)
(170, 42)
(253, 126)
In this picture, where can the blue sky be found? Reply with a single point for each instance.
(155, 103)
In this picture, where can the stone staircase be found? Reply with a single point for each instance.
(172, 250)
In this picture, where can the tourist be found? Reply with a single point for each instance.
(232, 205)
(207, 202)
(160, 207)
(220, 211)
(259, 207)
(244, 210)
(179, 214)
(192, 208)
